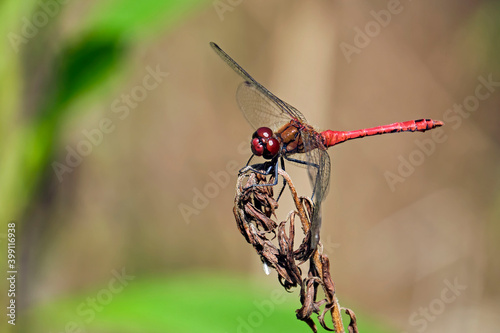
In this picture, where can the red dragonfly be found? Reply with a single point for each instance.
(295, 140)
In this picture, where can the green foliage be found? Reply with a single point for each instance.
(86, 63)
(186, 303)
(86, 60)
(68, 67)
(137, 18)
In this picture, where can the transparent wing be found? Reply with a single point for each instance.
(318, 168)
(259, 106)
(260, 110)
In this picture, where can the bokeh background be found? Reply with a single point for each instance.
(119, 238)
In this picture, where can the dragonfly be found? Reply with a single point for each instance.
(295, 140)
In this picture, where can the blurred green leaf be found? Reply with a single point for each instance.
(85, 64)
(186, 303)
(88, 58)
(134, 18)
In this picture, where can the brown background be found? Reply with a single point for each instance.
(391, 251)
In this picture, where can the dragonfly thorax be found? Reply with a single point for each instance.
(264, 143)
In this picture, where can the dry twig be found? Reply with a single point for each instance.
(254, 210)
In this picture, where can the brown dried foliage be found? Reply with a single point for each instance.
(254, 210)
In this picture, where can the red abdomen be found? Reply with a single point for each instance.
(331, 138)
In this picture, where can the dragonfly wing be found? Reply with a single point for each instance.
(318, 168)
(258, 108)
(291, 110)
(233, 64)
(261, 110)
(252, 96)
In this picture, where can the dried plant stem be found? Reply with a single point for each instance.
(254, 210)
(296, 200)
(316, 258)
(335, 311)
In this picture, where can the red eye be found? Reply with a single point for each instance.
(264, 144)
(272, 148)
(257, 147)
(263, 132)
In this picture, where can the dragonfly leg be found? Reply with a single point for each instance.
(305, 163)
(257, 168)
(265, 169)
(284, 182)
(301, 162)
(250, 159)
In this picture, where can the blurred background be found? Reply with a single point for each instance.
(121, 138)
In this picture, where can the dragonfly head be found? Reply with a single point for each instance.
(264, 143)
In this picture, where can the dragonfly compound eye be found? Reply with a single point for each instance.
(263, 133)
(272, 148)
(264, 144)
(257, 147)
